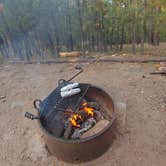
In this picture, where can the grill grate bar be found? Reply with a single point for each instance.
(57, 103)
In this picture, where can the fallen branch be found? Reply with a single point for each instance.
(95, 60)
(2, 97)
(158, 72)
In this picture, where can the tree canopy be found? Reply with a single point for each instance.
(38, 28)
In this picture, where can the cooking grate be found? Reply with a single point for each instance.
(54, 102)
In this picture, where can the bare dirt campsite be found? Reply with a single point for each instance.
(82, 83)
(142, 142)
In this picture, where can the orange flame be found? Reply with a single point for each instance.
(75, 118)
(88, 110)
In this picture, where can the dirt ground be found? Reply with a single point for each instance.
(143, 143)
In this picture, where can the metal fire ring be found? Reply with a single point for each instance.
(87, 148)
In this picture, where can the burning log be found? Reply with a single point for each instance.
(94, 105)
(89, 123)
(83, 120)
(83, 114)
(85, 127)
(76, 120)
(87, 109)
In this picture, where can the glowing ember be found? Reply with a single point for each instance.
(76, 119)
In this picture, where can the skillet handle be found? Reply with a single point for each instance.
(31, 116)
(37, 104)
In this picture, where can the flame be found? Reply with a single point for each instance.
(75, 118)
(88, 110)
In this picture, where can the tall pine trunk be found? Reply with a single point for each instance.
(133, 36)
(122, 38)
(81, 26)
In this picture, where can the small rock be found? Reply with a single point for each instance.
(61, 70)
(2, 97)
(142, 92)
(96, 129)
(143, 76)
(17, 104)
(121, 116)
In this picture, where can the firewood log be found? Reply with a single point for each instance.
(163, 64)
(69, 54)
(162, 69)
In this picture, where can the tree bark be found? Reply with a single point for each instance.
(81, 25)
(70, 37)
(133, 37)
(122, 38)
